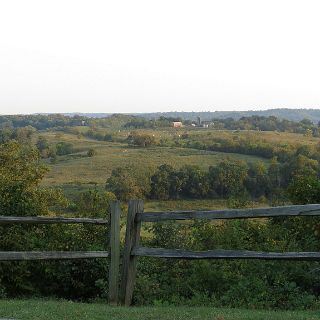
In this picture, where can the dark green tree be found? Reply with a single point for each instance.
(227, 178)
(124, 185)
(20, 175)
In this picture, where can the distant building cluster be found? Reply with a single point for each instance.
(198, 123)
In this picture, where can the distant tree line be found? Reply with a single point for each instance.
(271, 123)
(41, 122)
(62, 122)
(257, 123)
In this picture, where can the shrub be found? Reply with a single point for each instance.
(64, 148)
(91, 152)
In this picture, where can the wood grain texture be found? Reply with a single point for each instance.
(298, 210)
(114, 252)
(50, 220)
(129, 262)
(50, 255)
(223, 254)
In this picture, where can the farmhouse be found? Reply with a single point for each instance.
(177, 124)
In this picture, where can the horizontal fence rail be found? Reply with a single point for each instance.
(223, 254)
(50, 255)
(50, 220)
(299, 210)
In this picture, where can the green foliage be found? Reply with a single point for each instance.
(239, 283)
(20, 176)
(188, 182)
(93, 203)
(228, 177)
(75, 279)
(20, 194)
(63, 148)
(270, 123)
(224, 180)
(258, 181)
(164, 183)
(141, 139)
(91, 152)
(42, 143)
(125, 185)
(22, 135)
(304, 190)
(44, 147)
(97, 135)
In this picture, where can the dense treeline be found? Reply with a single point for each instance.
(61, 122)
(22, 135)
(40, 122)
(281, 113)
(228, 179)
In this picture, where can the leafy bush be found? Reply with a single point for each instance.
(141, 139)
(91, 152)
(64, 148)
(238, 283)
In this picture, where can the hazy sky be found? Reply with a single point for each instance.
(139, 56)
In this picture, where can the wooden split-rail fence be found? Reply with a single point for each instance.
(132, 250)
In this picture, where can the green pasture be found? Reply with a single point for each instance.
(77, 171)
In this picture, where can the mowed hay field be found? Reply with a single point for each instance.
(78, 168)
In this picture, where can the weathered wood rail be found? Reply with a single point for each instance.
(284, 211)
(136, 216)
(223, 254)
(50, 255)
(114, 244)
(50, 220)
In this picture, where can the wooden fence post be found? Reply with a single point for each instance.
(114, 252)
(129, 263)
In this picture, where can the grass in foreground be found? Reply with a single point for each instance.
(38, 309)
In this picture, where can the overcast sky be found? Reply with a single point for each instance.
(140, 56)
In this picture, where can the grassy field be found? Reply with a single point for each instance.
(73, 172)
(53, 310)
(208, 134)
(268, 136)
(273, 137)
(77, 172)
